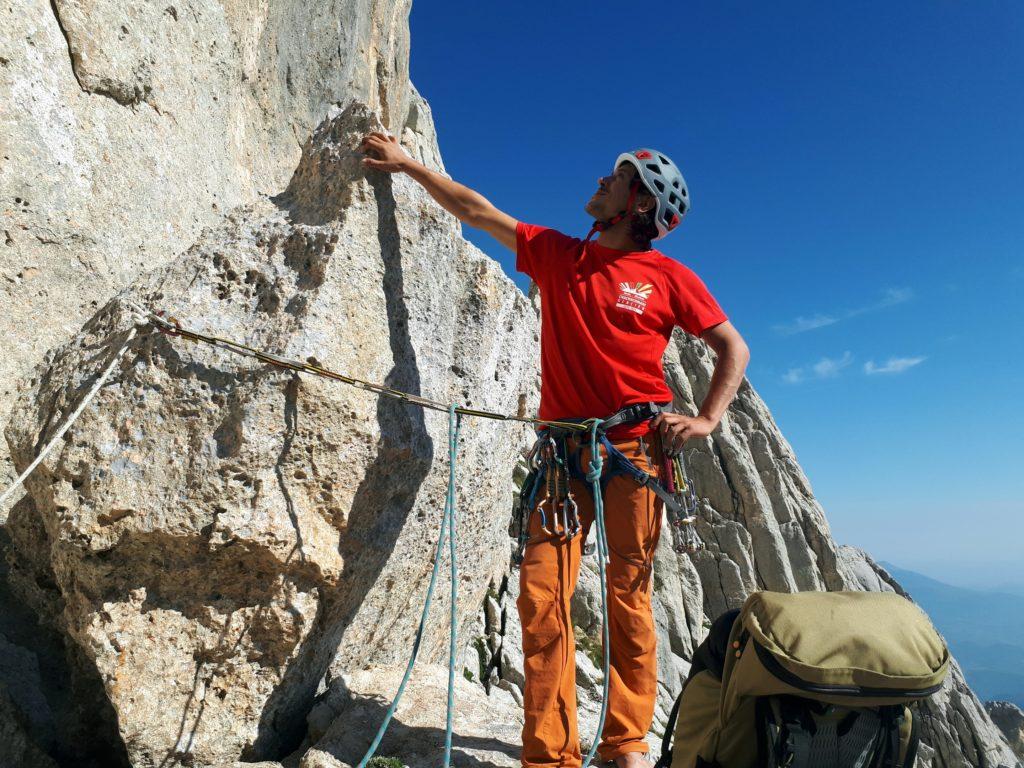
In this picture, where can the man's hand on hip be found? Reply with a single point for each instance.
(677, 428)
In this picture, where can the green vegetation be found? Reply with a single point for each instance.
(482, 655)
(385, 762)
(591, 647)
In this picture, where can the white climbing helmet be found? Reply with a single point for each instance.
(662, 179)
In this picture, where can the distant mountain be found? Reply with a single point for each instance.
(984, 629)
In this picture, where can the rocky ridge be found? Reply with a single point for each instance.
(1010, 720)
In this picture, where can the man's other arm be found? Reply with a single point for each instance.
(468, 206)
(733, 356)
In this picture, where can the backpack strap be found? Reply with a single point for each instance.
(670, 728)
(887, 743)
(767, 743)
(913, 742)
(709, 657)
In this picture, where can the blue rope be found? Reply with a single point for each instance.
(453, 440)
(447, 521)
(594, 476)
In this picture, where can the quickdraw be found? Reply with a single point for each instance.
(683, 514)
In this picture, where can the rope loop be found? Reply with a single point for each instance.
(168, 325)
(596, 462)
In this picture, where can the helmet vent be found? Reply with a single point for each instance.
(659, 184)
(663, 159)
(675, 183)
(654, 167)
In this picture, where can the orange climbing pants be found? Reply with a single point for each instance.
(547, 580)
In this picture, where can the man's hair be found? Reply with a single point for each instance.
(641, 225)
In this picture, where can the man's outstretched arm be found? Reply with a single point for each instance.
(467, 206)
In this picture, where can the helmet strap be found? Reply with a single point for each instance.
(601, 226)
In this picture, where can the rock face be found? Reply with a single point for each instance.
(226, 560)
(215, 532)
(1010, 720)
(125, 129)
(486, 732)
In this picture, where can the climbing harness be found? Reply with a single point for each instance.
(549, 462)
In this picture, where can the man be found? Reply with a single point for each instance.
(608, 308)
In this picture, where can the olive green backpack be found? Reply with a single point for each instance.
(807, 679)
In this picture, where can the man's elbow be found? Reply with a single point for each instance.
(727, 342)
(739, 353)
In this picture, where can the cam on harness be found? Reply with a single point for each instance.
(551, 466)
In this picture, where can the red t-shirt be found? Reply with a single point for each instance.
(606, 318)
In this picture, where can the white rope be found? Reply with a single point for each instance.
(67, 424)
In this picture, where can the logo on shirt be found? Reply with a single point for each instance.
(633, 296)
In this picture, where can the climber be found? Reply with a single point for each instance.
(608, 307)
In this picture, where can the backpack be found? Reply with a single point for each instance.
(807, 679)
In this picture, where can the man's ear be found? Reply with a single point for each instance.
(645, 203)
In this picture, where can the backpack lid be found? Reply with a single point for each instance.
(869, 641)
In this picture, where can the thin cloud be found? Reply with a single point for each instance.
(825, 368)
(890, 297)
(896, 296)
(893, 365)
(829, 367)
(793, 376)
(801, 324)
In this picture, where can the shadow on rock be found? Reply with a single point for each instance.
(379, 508)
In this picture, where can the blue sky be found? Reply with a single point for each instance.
(856, 175)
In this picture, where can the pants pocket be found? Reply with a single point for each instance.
(540, 622)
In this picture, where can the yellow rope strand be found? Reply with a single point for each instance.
(172, 327)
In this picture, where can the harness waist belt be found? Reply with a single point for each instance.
(631, 414)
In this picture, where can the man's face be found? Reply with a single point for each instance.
(612, 194)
